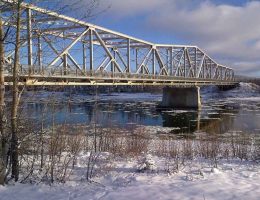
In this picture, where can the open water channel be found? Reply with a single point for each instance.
(236, 110)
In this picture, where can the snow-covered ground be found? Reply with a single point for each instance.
(196, 180)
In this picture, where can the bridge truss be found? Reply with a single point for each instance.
(60, 50)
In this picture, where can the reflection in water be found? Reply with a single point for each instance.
(185, 121)
(216, 116)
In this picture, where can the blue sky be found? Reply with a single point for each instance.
(228, 31)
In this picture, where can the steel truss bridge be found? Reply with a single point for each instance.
(61, 50)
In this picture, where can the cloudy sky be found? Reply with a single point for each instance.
(228, 31)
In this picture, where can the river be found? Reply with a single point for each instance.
(236, 110)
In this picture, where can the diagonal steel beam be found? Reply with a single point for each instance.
(179, 64)
(68, 54)
(191, 70)
(217, 74)
(146, 68)
(68, 47)
(51, 45)
(143, 61)
(102, 63)
(122, 60)
(103, 44)
(75, 63)
(162, 66)
(145, 65)
(201, 65)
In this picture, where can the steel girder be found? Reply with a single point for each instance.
(57, 45)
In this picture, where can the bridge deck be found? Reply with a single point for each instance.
(75, 77)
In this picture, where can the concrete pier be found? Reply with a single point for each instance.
(174, 97)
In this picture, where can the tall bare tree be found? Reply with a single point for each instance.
(15, 100)
(3, 139)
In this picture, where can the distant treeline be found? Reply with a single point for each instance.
(248, 79)
(96, 89)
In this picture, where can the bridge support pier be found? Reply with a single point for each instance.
(174, 97)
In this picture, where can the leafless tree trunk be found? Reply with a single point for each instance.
(3, 139)
(15, 101)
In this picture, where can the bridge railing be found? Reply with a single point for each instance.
(59, 72)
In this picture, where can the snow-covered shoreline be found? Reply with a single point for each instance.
(197, 180)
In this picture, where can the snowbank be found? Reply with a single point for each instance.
(197, 180)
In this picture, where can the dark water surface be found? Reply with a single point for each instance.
(237, 110)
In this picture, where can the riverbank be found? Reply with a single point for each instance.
(142, 163)
(232, 179)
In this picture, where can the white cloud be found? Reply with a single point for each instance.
(247, 68)
(228, 33)
(125, 8)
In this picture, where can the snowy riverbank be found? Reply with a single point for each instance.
(197, 180)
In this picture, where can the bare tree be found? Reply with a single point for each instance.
(15, 100)
(3, 139)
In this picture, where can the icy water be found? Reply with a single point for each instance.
(236, 110)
